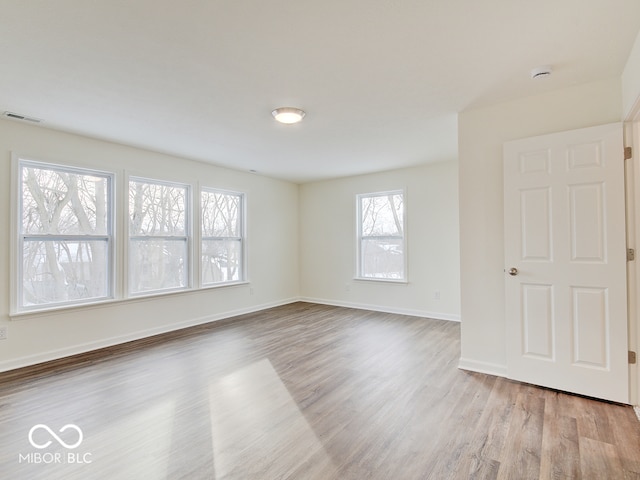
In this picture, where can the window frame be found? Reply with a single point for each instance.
(360, 237)
(187, 237)
(118, 242)
(19, 237)
(242, 238)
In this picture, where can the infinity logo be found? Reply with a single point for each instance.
(52, 433)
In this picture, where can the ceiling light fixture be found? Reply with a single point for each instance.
(288, 115)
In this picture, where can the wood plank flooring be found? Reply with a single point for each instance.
(302, 392)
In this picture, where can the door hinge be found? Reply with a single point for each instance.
(632, 357)
(628, 153)
(631, 254)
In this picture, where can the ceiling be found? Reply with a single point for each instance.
(381, 81)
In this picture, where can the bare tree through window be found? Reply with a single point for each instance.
(158, 234)
(222, 236)
(381, 235)
(65, 234)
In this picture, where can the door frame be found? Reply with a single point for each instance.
(632, 184)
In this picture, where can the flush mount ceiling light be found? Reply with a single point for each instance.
(288, 115)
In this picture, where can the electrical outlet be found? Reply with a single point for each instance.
(250, 290)
(436, 294)
(3, 333)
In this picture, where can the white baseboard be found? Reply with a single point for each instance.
(50, 355)
(29, 360)
(384, 309)
(482, 367)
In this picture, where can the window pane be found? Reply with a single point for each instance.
(222, 237)
(382, 215)
(156, 209)
(62, 271)
(382, 258)
(157, 264)
(220, 214)
(55, 201)
(221, 261)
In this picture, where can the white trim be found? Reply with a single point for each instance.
(482, 367)
(381, 280)
(384, 309)
(631, 180)
(117, 301)
(108, 342)
(15, 206)
(632, 139)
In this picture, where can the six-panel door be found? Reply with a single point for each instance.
(566, 307)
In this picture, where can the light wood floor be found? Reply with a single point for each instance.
(303, 392)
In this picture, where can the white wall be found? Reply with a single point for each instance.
(328, 242)
(482, 133)
(631, 81)
(272, 251)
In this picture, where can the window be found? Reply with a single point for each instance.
(158, 236)
(65, 240)
(222, 232)
(65, 236)
(381, 238)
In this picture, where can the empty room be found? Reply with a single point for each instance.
(336, 240)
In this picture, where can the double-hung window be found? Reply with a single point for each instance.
(381, 236)
(159, 240)
(65, 236)
(222, 231)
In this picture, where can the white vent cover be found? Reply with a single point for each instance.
(541, 72)
(24, 118)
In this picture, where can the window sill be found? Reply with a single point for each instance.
(381, 280)
(61, 309)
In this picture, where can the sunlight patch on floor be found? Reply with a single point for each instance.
(258, 430)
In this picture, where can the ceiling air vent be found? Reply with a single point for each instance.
(17, 116)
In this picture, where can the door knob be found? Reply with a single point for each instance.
(513, 271)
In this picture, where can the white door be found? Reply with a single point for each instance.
(565, 262)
